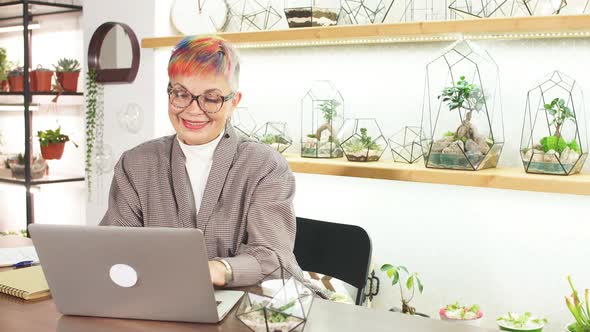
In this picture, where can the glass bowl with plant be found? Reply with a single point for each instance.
(470, 315)
(52, 143)
(517, 322)
(17, 166)
(274, 134)
(362, 140)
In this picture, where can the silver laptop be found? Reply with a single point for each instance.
(130, 272)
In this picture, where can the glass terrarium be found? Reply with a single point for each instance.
(362, 140)
(554, 138)
(308, 13)
(462, 113)
(322, 115)
(280, 302)
(274, 134)
(252, 15)
(480, 8)
(365, 12)
(243, 122)
(405, 145)
(541, 7)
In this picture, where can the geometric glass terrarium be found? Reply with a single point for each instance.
(479, 8)
(322, 116)
(405, 145)
(362, 140)
(280, 302)
(365, 12)
(243, 122)
(554, 133)
(274, 134)
(308, 13)
(462, 113)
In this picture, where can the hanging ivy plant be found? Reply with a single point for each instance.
(91, 110)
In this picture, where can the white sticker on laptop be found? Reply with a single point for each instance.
(123, 275)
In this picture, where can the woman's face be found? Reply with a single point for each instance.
(193, 125)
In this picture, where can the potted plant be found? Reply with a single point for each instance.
(461, 314)
(521, 322)
(41, 79)
(412, 282)
(52, 143)
(16, 80)
(3, 70)
(17, 166)
(580, 310)
(67, 72)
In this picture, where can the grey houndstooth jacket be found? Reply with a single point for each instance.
(246, 213)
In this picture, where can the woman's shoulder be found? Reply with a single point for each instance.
(260, 155)
(151, 150)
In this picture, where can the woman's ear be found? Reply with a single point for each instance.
(236, 99)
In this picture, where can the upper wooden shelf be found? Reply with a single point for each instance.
(572, 26)
(499, 178)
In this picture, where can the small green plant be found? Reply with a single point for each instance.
(273, 138)
(560, 112)
(67, 65)
(524, 321)
(3, 64)
(51, 136)
(558, 144)
(457, 311)
(328, 109)
(22, 232)
(312, 136)
(463, 95)
(362, 143)
(412, 281)
(91, 111)
(18, 71)
(580, 310)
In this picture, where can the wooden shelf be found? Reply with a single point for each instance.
(499, 178)
(558, 26)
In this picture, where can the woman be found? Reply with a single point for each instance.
(237, 191)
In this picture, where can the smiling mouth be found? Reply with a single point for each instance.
(194, 125)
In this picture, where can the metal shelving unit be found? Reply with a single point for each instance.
(26, 10)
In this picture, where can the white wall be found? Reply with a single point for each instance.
(505, 250)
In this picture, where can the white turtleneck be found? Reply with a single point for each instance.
(199, 159)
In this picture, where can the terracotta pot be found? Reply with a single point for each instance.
(16, 83)
(68, 80)
(41, 80)
(53, 150)
(4, 86)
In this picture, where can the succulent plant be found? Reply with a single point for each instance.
(67, 65)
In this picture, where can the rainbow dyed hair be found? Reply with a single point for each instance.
(196, 56)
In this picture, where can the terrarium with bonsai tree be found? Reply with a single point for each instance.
(362, 140)
(274, 134)
(308, 13)
(322, 115)
(462, 124)
(554, 137)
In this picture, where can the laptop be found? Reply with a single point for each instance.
(130, 272)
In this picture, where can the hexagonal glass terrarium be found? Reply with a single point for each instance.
(405, 145)
(554, 138)
(280, 302)
(365, 11)
(480, 8)
(243, 122)
(362, 140)
(322, 115)
(462, 114)
(308, 13)
(274, 134)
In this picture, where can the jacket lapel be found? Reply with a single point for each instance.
(185, 202)
(222, 162)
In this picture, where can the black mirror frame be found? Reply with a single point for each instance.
(126, 75)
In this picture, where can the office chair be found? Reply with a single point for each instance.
(338, 250)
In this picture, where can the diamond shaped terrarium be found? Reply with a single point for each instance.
(308, 13)
(322, 115)
(539, 7)
(362, 140)
(405, 145)
(274, 134)
(365, 11)
(279, 303)
(480, 8)
(462, 116)
(554, 137)
(243, 122)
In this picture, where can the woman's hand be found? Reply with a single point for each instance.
(217, 270)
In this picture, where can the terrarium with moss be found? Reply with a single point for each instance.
(322, 115)
(311, 13)
(462, 115)
(554, 137)
(274, 134)
(362, 140)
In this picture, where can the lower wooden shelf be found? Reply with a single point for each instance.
(499, 178)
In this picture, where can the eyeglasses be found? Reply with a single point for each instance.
(209, 102)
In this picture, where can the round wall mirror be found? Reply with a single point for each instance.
(114, 53)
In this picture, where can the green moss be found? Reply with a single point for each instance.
(553, 143)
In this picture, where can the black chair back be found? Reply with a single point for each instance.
(338, 250)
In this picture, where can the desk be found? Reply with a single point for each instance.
(42, 316)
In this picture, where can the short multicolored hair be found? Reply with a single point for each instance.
(195, 56)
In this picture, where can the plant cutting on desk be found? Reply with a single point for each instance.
(412, 283)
